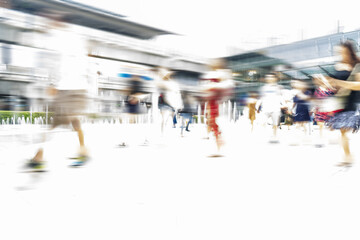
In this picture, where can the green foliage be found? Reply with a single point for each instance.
(195, 118)
(4, 115)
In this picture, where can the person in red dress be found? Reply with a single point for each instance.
(218, 86)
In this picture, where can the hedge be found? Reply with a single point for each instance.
(195, 118)
(4, 115)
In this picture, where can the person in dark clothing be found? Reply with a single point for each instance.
(347, 76)
(137, 94)
(301, 105)
(187, 111)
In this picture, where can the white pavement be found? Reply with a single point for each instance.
(172, 190)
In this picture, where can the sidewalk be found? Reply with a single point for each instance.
(172, 190)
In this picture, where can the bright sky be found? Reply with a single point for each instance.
(219, 28)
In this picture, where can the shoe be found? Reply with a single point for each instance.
(319, 145)
(35, 165)
(80, 161)
(78, 164)
(122, 145)
(344, 164)
(187, 130)
(215, 156)
(347, 162)
(145, 143)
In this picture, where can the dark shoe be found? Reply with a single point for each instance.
(36, 165)
(122, 145)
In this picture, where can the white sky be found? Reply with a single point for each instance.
(219, 28)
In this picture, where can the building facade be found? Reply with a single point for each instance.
(117, 48)
(298, 60)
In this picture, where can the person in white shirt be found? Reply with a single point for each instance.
(170, 100)
(271, 102)
(69, 87)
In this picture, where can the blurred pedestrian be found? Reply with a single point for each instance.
(251, 104)
(218, 87)
(69, 89)
(270, 103)
(187, 112)
(170, 100)
(135, 105)
(325, 105)
(347, 76)
(301, 115)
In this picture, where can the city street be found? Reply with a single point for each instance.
(171, 189)
(124, 66)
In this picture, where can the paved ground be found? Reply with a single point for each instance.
(170, 189)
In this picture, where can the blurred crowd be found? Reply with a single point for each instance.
(329, 101)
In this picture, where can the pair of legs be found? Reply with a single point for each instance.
(166, 113)
(212, 125)
(252, 119)
(348, 159)
(321, 125)
(345, 145)
(142, 126)
(174, 121)
(185, 120)
(275, 117)
(75, 122)
(321, 118)
(302, 125)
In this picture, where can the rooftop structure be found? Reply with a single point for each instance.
(84, 15)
